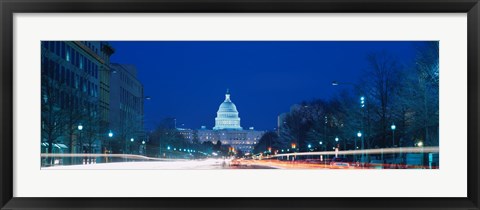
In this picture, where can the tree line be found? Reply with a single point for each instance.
(392, 104)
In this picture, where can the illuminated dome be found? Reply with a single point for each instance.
(227, 115)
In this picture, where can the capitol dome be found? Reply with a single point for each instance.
(227, 115)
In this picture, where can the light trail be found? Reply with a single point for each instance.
(125, 156)
(202, 164)
(364, 152)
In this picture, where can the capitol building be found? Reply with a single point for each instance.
(227, 115)
(227, 129)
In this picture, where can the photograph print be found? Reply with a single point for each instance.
(317, 105)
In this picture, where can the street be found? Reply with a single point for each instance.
(153, 165)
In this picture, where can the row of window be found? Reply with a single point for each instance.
(69, 54)
(130, 100)
(91, 46)
(229, 115)
(64, 100)
(245, 147)
(65, 76)
(129, 81)
(242, 142)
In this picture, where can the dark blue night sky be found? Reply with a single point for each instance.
(187, 80)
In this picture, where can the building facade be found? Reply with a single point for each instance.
(126, 107)
(227, 129)
(227, 115)
(71, 95)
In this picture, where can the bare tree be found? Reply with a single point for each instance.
(427, 65)
(383, 79)
(52, 116)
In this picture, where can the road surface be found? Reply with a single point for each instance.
(157, 165)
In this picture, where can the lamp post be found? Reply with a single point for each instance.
(362, 103)
(110, 135)
(131, 140)
(420, 144)
(362, 106)
(359, 135)
(393, 127)
(336, 141)
(80, 128)
(321, 156)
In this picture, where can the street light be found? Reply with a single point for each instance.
(131, 140)
(144, 148)
(362, 105)
(393, 127)
(359, 134)
(80, 128)
(109, 149)
(344, 144)
(420, 144)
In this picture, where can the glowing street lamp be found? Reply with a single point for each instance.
(420, 144)
(80, 128)
(393, 127)
(359, 134)
(110, 134)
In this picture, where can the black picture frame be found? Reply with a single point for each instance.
(10, 7)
